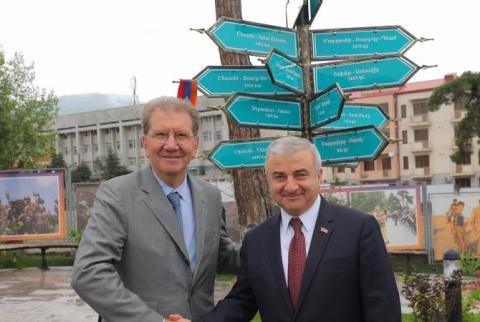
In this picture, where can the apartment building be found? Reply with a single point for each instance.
(424, 140)
(84, 137)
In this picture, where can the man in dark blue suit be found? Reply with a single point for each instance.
(312, 261)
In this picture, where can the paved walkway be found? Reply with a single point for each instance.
(40, 296)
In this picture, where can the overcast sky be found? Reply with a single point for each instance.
(96, 46)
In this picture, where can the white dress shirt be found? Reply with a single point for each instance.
(308, 219)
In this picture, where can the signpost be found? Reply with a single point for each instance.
(352, 145)
(223, 81)
(356, 115)
(240, 154)
(360, 42)
(326, 107)
(364, 74)
(253, 38)
(285, 72)
(265, 112)
(290, 93)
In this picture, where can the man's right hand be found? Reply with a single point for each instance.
(176, 318)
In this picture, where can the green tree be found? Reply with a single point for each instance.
(366, 201)
(110, 166)
(57, 161)
(464, 89)
(81, 173)
(26, 115)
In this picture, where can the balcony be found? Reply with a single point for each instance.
(421, 172)
(420, 146)
(419, 120)
(462, 170)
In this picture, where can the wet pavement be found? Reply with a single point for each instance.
(34, 295)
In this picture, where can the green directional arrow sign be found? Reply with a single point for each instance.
(364, 74)
(253, 38)
(356, 115)
(360, 42)
(265, 112)
(352, 145)
(285, 72)
(223, 81)
(326, 107)
(240, 154)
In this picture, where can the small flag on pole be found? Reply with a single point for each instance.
(188, 90)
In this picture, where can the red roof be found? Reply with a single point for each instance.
(407, 88)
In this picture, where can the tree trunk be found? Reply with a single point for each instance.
(251, 191)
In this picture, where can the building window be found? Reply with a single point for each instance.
(131, 144)
(74, 149)
(218, 118)
(384, 107)
(403, 111)
(118, 145)
(218, 135)
(207, 136)
(132, 162)
(95, 147)
(422, 161)
(462, 183)
(465, 161)
(85, 133)
(86, 147)
(352, 170)
(369, 165)
(108, 147)
(420, 135)
(65, 150)
(420, 107)
(106, 131)
(340, 170)
(405, 163)
(386, 163)
(404, 137)
(117, 130)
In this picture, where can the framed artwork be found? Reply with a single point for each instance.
(397, 210)
(32, 206)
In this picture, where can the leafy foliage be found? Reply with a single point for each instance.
(464, 89)
(26, 116)
(57, 161)
(110, 166)
(82, 173)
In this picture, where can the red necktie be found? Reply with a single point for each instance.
(296, 261)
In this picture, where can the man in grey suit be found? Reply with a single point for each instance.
(156, 237)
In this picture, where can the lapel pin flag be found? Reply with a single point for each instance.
(324, 230)
(187, 89)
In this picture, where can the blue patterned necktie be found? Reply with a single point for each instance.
(174, 198)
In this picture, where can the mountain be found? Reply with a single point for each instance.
(78, 103)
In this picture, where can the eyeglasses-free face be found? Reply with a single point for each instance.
(170, 145)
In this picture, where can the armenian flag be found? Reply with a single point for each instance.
(188, 90)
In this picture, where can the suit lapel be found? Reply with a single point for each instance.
(199, 208)
(276, 259)
(161, 208)
(324, 228)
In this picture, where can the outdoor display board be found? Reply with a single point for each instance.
(396, 208)
(32, 206)
(455, 223)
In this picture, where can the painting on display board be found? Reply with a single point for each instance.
(397, 209)
(32, 206)
(456, 223)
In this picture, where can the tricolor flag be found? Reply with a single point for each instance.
(188, 90)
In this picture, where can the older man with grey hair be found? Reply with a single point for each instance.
(312, 260)
(156, 237)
